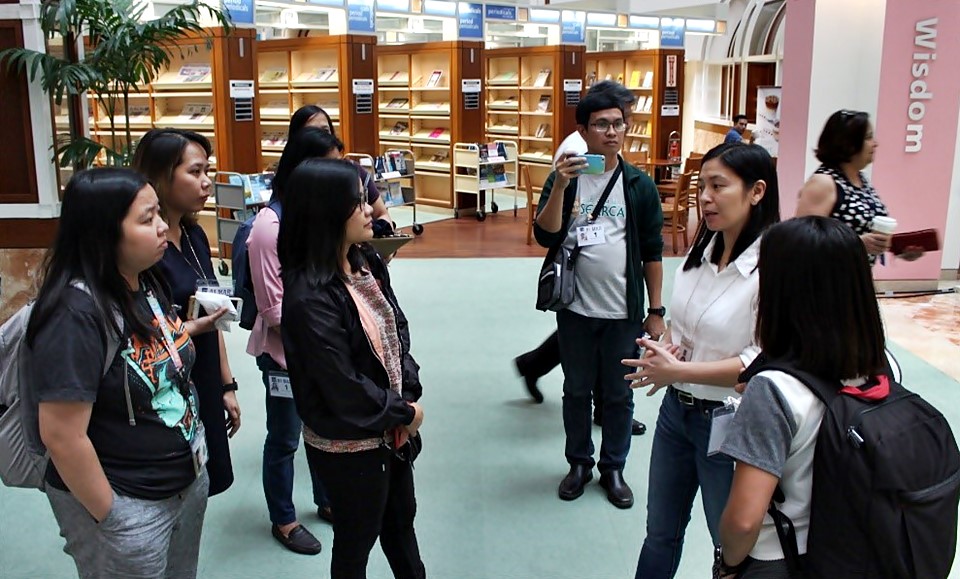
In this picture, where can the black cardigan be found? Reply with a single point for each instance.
(341, 389)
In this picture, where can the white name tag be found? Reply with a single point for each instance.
(280, 385)
(719, 427)
(592, 234)
(198, 448)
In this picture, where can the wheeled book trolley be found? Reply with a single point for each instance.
(486, 168)
(393, 174)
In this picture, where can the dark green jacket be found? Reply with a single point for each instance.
(644, 229)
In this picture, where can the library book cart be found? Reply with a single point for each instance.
(234, 203)
(394, 174)
(481, 169)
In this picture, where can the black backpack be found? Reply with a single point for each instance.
(886, 487)
(242, 282)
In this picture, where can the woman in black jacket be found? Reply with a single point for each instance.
(348, 355)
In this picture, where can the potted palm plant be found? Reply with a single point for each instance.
(124, 51)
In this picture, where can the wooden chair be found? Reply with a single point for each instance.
(531, 206)
(692, 166)
(676, 211)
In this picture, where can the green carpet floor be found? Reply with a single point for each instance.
(487, 479)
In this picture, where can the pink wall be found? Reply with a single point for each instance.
(795, 103)
(916, 185)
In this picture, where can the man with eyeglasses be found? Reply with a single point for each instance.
(540, 361)
(620, 254)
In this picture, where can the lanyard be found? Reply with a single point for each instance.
(165, 330)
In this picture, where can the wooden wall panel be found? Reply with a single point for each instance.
(18, 178)
(238, 142)
(360, 133)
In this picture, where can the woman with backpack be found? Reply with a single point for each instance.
(818, 321)
(355, 384)
(707, 345)
(176, 163)
(283, 424)
(126, 479)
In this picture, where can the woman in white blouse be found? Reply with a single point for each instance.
(708, 343)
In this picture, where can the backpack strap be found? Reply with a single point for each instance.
(787, 535)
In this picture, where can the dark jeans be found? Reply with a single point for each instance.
(544, 358)
(590, 352)
(679, 467)
(283, 437)
(372, 494)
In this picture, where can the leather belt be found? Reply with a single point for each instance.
(687, 399)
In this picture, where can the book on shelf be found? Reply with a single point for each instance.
(635, 79)
(493, 151)
(257, 187)
(543, 105)
(510, 101)
(324, 74)
(620, 78)
(437, 133)
(195, 112)
(391, 192)
(274, 75)
(398, 103)
(647, 104)
(395, 76)
(634, 146)
(648, 79)
(504, 78)
(400, 128)
(138, 112)
(273, 138)
(542, 131)
(591, 79)
(434, 80)
(194, 73)
(440, 157)
(608, 77)
(493, 174)
(542, 77)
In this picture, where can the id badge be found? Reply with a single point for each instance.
(280, 384)
(198, 448)
(591, 234)
(720, 426)
(686, 350)
(213, 286)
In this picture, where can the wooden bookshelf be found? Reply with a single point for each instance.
(421, 108)
(526, 102)
(644, 72)
(294, 72)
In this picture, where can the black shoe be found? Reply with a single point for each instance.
(531, 383)
(571, 487)
(638, 428)
(618, 492)
(326, 514)
(300, 540)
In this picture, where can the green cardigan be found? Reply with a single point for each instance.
(644, 229)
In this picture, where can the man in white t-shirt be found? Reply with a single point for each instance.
(620, 254)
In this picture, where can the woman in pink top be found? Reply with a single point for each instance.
(283, 424)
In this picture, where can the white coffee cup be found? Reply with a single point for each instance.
(882, 224)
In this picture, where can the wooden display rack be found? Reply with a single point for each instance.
(526, 101)
(293, 72)
(421, 108)
(645, 73)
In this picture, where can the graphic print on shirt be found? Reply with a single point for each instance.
(152, 371)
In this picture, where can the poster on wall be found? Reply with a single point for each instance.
(767, 133)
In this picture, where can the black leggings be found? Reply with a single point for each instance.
(372, 495)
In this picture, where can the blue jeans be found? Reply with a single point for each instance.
(590, 352)
(679, 466)
(283, 437)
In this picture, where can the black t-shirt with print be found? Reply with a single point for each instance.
(151, 459)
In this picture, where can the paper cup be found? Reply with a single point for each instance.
(883, 224)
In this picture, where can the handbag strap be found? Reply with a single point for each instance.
(599, 207)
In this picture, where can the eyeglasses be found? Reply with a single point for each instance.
(603, 126)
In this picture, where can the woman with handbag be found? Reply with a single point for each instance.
(708, 343)
(354, 382)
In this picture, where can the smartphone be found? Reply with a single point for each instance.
(595, 164)
(193, 307)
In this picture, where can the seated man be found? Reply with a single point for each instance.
(600, 327)
(735, 134)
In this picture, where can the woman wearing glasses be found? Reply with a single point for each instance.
(111, 365)
(354, 381)
(839, 189)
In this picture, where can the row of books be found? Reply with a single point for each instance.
(644, 104)
(401, 78)
(510, 78)
(635, 83)
(322, 74)
(543, 105)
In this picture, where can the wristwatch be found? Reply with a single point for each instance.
(720, 567)
(661, 311)
(230, 386)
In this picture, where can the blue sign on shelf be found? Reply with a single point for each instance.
(573, 27)
(471, 20)
(360, 16)
(393, 5)
(439, 8)
(494, 12)
(671, 32)
(333, 3)
(543, 15)
(239, 11)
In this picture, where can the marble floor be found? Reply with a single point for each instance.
(927, 326)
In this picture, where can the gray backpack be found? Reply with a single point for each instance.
(23, 458)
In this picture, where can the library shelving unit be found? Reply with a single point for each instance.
(526, 101)
(293, 72)
(645, 73)
(421, 108)
(485, 168)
